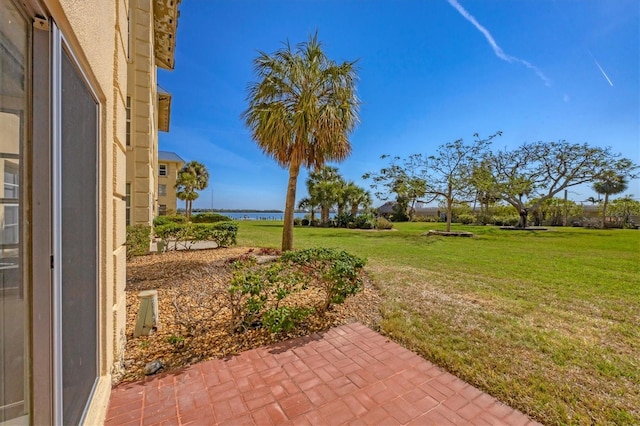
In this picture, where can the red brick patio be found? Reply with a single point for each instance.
(347, 375)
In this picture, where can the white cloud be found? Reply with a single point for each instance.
(494, 45)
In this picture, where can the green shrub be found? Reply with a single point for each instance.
(305, 222)
(336, 272)
(466, 219)
(342, 220)
(484, 219)
(285, 318)
(174, 218)
(365, 221)
(297, 221)
(506, 220)
(256, 293)
(382, 223)
(425, 219)
(209, 218)
(138, 240)
(184, 235)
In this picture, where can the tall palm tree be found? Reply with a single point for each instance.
(609, 183)
(301, 112)
(191, 178)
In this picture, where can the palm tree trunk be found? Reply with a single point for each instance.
(287, 229)
(324, 215)
(354, 210)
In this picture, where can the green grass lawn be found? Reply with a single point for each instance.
(546, 321)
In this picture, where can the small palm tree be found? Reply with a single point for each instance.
(324, 186)
(359, 197)
(308, 203)
(301, 112)
(191, 178)
(609, 183)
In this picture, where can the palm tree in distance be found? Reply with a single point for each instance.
(301, 112)
(308, 203)
(609, 183)
(359, 197)
(191, 178)
(324, 186)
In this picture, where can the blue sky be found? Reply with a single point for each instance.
(430, 72)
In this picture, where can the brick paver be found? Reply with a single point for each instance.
(347, 375)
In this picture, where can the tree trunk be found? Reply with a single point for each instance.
(604, 210)
(449, 211)
(449, 205)
(523, 218)
(324, 215)
(287, 228)
(354, 210)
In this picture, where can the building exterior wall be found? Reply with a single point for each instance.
(169, 200)
(142, 152)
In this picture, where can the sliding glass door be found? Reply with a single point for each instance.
(14, 295)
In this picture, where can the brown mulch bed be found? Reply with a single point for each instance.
(194, 324)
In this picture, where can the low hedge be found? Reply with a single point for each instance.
(185, 235)
(174, 218)
(209, 218)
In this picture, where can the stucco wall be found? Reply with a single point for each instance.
(142, 155)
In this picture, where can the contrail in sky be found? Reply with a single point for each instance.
(601, 70)
(497, 49)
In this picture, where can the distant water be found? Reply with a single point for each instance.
(260, 215)
(264, 215)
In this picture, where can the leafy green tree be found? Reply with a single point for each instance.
(301, 112)
(540, 170)
(401, 178)
(192, 177)
(623, 209)
(552, 211)
(484, 186)
(609, 183)
(449, 173)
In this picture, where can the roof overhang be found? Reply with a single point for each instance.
(165, 24)
(164, 110)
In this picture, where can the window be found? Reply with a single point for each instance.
(128, 108)
(162, 209)
(162, 170)
(127, 200)
(162, 190)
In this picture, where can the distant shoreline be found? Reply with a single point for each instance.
(243, 211)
